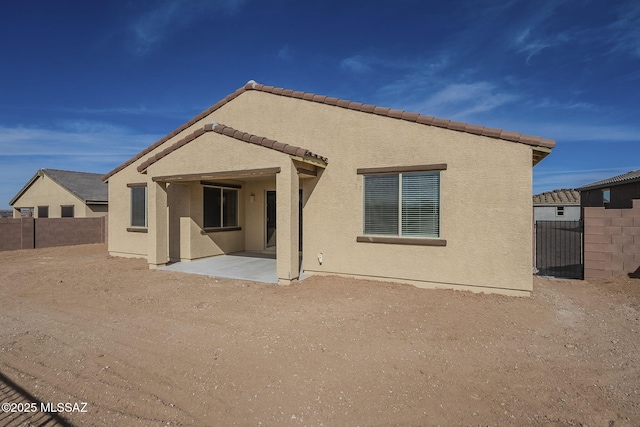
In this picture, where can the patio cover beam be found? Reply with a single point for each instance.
(246, 173)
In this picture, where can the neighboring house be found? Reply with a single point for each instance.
(371, 192)
(6, 214)
(612, 193)
(611, 216)
(557, 205)
(53, 193)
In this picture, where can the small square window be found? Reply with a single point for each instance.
(606, 195)
(559, 210)
(66, 211)
(43, 211)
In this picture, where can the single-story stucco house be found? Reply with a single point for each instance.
(557, 205)
(53, 193)
(360, 190)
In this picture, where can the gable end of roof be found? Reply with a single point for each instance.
(534, 141)
(236, 134)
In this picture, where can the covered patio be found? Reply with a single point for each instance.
(250, 266)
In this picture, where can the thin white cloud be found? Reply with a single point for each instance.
(356, 64)
(547, 180)
(456, 101)
(461, 100)
(285, 53)
(73, 139)
(169, 16)
(373, 60)
(581, 132)
(549, 103)
(81, 146)
(624, 33)
(532, 45)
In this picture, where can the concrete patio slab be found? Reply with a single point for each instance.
(255, 267)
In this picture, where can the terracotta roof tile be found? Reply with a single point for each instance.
(563, 196)
(381, 111)
(331, 101)
(233, 133)
(412, 117)
(396, 114)
(459, 126)
(358, 106)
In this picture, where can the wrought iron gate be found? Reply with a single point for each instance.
(559, 249)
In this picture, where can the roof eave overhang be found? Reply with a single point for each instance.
(540, 153)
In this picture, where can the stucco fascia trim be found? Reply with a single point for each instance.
(235, 174)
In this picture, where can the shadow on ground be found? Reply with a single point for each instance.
(24, 408)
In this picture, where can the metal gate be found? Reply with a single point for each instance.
(559, 249)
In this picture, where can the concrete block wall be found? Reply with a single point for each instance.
(611, 241)
(16, 234)
(29, 233)
(68, 231)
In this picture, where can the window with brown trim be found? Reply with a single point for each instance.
(403, 204)
(220, 207)
(139, 206)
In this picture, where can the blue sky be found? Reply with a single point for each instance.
(85, 85)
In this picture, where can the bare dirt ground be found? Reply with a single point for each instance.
(151, 348)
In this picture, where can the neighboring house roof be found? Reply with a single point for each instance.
(564, 196)
(540, 145)
(233, 133)
(86, 186)
(625, 178)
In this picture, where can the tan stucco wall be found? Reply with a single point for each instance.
(46, 192)
(485, 193)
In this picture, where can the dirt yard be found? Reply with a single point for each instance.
(149, 348)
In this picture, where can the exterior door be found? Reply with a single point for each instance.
(270, 225)
(271, 219)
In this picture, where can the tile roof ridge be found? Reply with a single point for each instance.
(535, 141)
(232, 133)
(563, 196)
(623, 178)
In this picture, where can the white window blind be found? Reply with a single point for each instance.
(381, 197)
(421, 204)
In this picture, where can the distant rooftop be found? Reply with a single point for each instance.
(625, 178)
(564, 196)
(86, 186)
